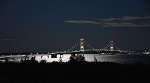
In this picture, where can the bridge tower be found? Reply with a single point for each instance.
(82, 44)
(111, 45)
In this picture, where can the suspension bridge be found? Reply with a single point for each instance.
(84, 46)
(80, 48)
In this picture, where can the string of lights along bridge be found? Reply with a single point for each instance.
(110, 53)
(84, 46)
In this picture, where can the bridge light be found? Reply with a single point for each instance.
(82, 43)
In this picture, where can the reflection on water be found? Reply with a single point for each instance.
(124, 59)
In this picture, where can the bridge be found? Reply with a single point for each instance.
(84, 48)
(81, 47)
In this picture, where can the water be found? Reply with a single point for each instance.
(122, 59)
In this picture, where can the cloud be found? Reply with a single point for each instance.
(81, 22)
(125, 25)
(127, 18)
(125, 21)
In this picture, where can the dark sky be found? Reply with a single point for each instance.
(59, 24)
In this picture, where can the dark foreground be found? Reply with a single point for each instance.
(73, 71)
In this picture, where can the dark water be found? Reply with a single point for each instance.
(126, 59)
(122, 59)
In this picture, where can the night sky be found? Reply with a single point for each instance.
(59, 24)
